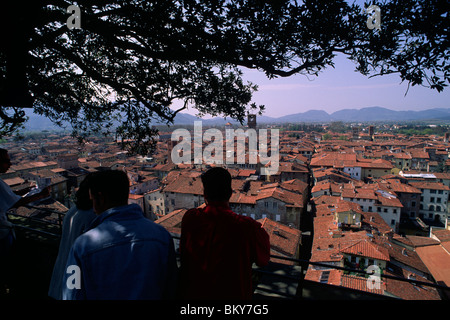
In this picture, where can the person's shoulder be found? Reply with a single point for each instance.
(86, 242)
(192, 213)
(162, 232)
(247, 221)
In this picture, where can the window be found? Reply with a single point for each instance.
(275, 205)
(324, 277)
(432, 199)
(277, 217)
(413, 203)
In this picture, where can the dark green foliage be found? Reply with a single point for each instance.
(132, 60)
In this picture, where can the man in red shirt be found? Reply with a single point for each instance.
(218, 246)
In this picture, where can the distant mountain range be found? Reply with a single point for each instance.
(369, 114)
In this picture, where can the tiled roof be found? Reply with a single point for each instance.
(402, 255)
(429, 185)
(360, 283)
(417, 241)
(437, 260)
(397, 186)
(367, 249)
(443, 235)
(333, 276)
(239, 197)
(172, 221)
(184, 184)
(408, 291)
(283, 239)
(285, 196)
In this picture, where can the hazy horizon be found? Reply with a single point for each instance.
(339, 88)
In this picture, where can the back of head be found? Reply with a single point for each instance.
(82, 199)
(217, 184)
(112, 184)
(3, 153)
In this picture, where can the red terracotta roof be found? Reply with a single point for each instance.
(172, 221)
(333, 276)
(367, 249)
(360, 283)
(283, 239)
(437, 260)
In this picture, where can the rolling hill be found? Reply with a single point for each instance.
(369, 114)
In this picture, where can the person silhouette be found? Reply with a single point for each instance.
(218, 246)
(123, 255)
(76, 221)
(9, 200)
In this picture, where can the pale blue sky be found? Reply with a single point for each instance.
(340, 88)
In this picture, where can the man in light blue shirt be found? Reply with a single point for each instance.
(124, 255)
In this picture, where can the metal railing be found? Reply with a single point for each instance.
(298, 262)
(412, 281)
(31, 219)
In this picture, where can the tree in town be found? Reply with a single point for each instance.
(119, 65)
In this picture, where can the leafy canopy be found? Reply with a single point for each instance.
(133, 60)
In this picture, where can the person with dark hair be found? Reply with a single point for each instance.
(123, 255)
(76, 221)
(218, 246)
